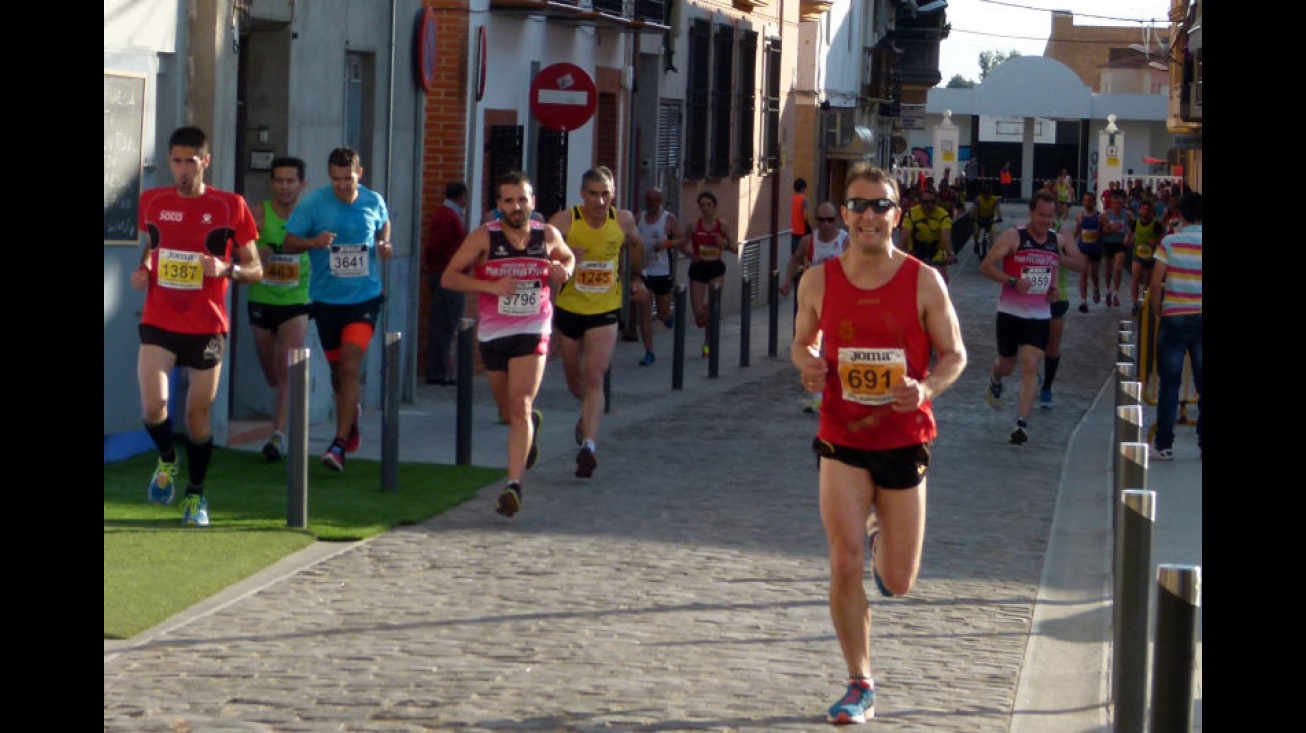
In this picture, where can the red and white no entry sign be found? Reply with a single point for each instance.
(563, 97)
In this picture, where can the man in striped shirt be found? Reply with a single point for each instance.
(1178, 274)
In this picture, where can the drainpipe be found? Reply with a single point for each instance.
(389, 178)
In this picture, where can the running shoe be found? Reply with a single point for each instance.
(994, 394)
(355, 438)
(670, 323)
(197, 510)
(1161, 454)
(272, 448)
(813, 407)
(1019, 436)
(648, 359)
(707, 351)
(1083, 307)
(533, 454)
(856, 706)
(509, 500)
(586, 462)
(161, 483)
(1045, 399)
(1097, 295)
(873, 533)
(334, 458)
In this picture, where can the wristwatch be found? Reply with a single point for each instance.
(233, 272)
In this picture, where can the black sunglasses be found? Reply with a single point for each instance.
(825, 218)
(880, 206)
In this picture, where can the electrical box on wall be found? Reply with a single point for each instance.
(261, 160)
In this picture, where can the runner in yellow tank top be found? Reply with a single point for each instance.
(588, 308)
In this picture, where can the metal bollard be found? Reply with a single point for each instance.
(1127, 353)
(1135, 534)
(297, 429)
(678, 341)
(745, 319)
(773, 301)
(1133, 467)
(1127, 325)
(1174, 653)
(1129, 392)
(714, 335)
(463, 413)
(1124, 337)
(390, 413)
(1125, 371)
(1128, 429)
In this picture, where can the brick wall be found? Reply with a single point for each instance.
(1084, 49)
(444, 155)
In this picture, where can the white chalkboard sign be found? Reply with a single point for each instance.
(124, 119)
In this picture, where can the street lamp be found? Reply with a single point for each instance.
(1111, 129)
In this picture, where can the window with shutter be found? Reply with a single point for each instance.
(696, 98)
(723, 67)
(669, 152)
(771, 106)
(745, 103)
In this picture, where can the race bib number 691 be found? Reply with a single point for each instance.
(867, 375)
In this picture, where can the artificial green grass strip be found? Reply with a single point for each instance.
(150, 576)
(155, 568)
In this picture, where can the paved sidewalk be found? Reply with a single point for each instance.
(684, 586)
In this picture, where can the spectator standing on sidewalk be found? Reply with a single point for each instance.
(799, 226)
(345, 228)
(512, 263)
(447, 234)
(873, 366)
(197, 238)
(1178, 274)
(1025, 259)
(587, 310)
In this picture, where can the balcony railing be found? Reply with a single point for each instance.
(919, 64)
(640, 15)
(647, 10)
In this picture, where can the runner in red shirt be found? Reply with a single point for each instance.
(195, 234)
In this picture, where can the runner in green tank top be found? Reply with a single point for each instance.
(278, 305)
